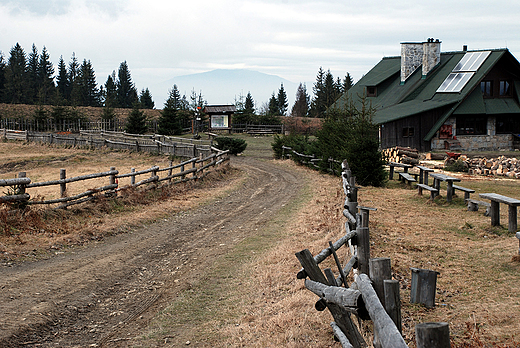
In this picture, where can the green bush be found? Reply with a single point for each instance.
(234, 145)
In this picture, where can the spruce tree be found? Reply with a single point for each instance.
(46, 78)
(33, 69)
(62, 80)
(282, 101)
(126, 91)
(273, 108)
(348, 82)
(249, 105)
(170, 119)
(136, 121)
(110, 91)
(89, 94)
(301, 105)
(145, 99)
(3, 67)
(16, 79)
(74, 92)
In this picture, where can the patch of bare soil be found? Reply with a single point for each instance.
(105, 292)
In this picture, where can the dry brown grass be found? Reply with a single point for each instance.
(38, 229)
(476, 289)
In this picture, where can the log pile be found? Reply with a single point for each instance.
(400, 154)
(501, 166)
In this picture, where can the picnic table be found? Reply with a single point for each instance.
(423, 174)
(392, 165)
(438, 177)
(494, 212)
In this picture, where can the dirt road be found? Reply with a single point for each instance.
(104, 294)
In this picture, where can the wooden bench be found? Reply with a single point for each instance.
(406, 177)
(466, 191)
(392, 165)
(433, 191)
(474, 204)
(494, 211)
(438, 177)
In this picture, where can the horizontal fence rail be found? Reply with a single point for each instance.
(199, 167)
(175, 146)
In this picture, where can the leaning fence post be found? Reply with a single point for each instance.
(432, 335)
(63, 185)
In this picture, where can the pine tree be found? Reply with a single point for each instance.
(348, 82)
(62, 80)
(33, 69)
(3, 67)
(16, 80)
(110, 91)
(249, 105)
(45, 77)
(136, 121)
(273, 108)
(74, 92)
(126, 91)
(89, 94)
(145, 99)
(317, 106)
(170, 119)
(301, 105)
(282, 101)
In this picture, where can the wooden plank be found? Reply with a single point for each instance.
(343, 340)
(500, 198)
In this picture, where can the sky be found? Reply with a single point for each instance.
(162, 39)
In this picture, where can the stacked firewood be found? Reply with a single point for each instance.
(400, 154)
(502, 165)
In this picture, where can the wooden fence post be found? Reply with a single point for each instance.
(341, 316)
(112, 179)
(63, 186)
(182, 171)
(393, 302)
(380, 270)
(193, 166)
(424, 285)
(432, 335)
(363, 239)
(132, 178)
(22, 186)
(170, 172)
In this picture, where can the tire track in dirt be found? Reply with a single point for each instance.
(105, 293)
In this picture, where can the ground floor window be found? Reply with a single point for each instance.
(472, 125)
(408, 132)
(508, 124)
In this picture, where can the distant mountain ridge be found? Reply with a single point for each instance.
(224, 86)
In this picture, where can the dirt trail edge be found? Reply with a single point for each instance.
(95, 295)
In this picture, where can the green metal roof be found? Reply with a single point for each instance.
(419, 93)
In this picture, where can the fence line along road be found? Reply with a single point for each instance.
(175, 146)
(18, 187)
(374, 295)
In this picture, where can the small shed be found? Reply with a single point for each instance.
(220, 117)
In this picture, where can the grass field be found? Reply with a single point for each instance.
(476, 288)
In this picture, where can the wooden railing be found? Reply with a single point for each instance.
(373, 295)
(198, 168)
(310, 160)
(175, 146)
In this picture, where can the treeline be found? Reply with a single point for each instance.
(326, 91)
(31, 79)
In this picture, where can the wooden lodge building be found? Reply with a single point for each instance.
(429, 100)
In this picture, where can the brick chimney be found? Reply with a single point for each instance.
(415, 54)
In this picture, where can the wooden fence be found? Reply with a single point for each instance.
(373, 295)
(310, 160)
(195, 168)
(175, 146)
